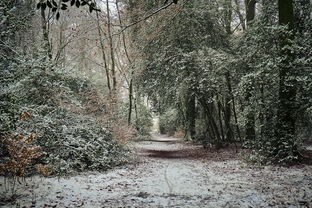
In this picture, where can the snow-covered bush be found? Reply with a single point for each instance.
(72, 136)
(72, 142)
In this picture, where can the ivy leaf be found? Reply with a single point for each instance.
(49, 4)
(63, 7)
(65, 0)
(57, 16)
(39, 5)
(92, 7)
(54, 3)
(72, 2)
(77, 3)
(43, 6)
(54, 9)
(83, 3)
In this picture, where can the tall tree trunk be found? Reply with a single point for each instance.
(262, 110)
(228, 15)
(229, 85)
(136, 113)
(130, 63)
(250, 10)
(250, 117)
(45, 32)
(227, 108)
(213, 130)
(60, 54)
(239, 14)
(286, 117)
(103, 52)
(227, 119)
(190, 115)
(82, 55)
(130, 101)
(219, 105)
(110, 38)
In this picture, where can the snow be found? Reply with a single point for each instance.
(166, 177)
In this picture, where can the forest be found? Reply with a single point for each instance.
(117, 94)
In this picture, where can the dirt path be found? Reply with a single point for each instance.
(173, 174)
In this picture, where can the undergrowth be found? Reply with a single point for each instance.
(69, 117)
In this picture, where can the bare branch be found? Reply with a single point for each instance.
(142, 19)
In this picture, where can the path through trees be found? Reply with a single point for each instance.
(174, 174)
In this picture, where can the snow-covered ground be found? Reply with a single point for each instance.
(170, 174)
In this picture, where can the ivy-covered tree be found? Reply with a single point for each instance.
(272, 47)
(287, 106)
(15, 40)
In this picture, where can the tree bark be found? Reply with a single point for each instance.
(229, 85)
(110, 38)
(45, 32)
(250, 117)
(250, 10)
(214, 131)
(190, 115)
(228, 15)
(130, 63)
(103, 52)
(287, 84)
(220, 119)
(240, 16)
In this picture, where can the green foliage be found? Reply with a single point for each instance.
(15, 18)
(201, 128)
(69, 116)
(72, 142)
(174, 71)
(303, 61)
(144, 119)
(237, 79)
(169, 122)
(66, 128)
(260, 49)
(267, 150)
